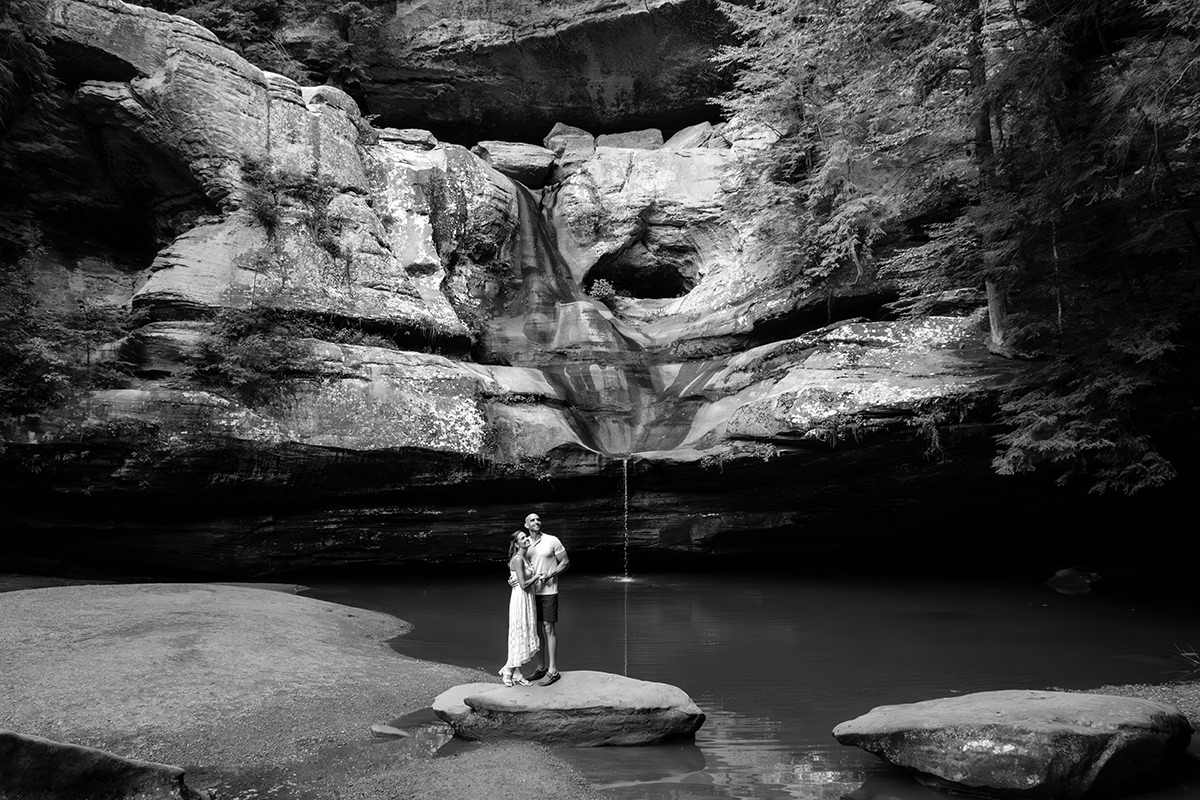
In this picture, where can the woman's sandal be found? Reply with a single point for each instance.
(507, 677)
(520, 679)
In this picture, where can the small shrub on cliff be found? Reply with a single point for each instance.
(344, 59)
(603, 291)
(48, 354)
(253, 355)
(264, 193)
(270, 189)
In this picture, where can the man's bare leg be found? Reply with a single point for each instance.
(551, 647)
(551, 653)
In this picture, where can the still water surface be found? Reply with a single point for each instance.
(777, 661)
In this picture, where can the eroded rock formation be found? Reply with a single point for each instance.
(454, 368)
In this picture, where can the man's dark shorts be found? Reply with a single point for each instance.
(547, 607)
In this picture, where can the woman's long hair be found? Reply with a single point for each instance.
(513, 547)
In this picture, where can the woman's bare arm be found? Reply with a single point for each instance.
(524, 576)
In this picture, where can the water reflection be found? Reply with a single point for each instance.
(777, 662)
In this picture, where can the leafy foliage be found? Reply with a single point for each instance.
(1046, 150)
(603, 291)
(248, 27)
(254, 354)
(47, 354)
(270, 189)
(251, 28)
(25, 67)
(343, 60)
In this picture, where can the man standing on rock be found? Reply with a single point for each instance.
(549, 558)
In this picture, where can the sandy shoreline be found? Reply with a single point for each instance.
(266, 694)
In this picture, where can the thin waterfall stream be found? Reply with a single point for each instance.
(625, 579)
(625, 520)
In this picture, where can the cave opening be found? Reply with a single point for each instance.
(656, 282)
(656, 265)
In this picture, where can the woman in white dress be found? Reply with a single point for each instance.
(522, 614)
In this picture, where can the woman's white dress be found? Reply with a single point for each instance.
(522, 626)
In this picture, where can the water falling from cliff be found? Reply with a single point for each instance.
(545, 321)
(625, 520)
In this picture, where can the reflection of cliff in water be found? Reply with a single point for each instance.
(548, 323)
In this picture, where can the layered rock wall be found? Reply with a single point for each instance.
(449, 347)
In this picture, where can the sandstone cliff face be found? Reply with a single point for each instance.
(494, 381)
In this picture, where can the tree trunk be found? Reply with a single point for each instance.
(982, 117)
(997, 311)
(984, 155)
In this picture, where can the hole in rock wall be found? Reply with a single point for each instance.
(654, 266)
(649, 280)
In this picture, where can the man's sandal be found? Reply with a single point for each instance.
(551, 677)
(538, 674)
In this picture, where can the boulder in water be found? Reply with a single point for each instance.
(1027, 744)
(584, 708)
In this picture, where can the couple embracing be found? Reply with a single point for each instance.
(535, 560)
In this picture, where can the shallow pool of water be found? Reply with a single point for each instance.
(777, 661)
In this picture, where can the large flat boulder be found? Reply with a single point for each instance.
(1027, 744)
(584, 708)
